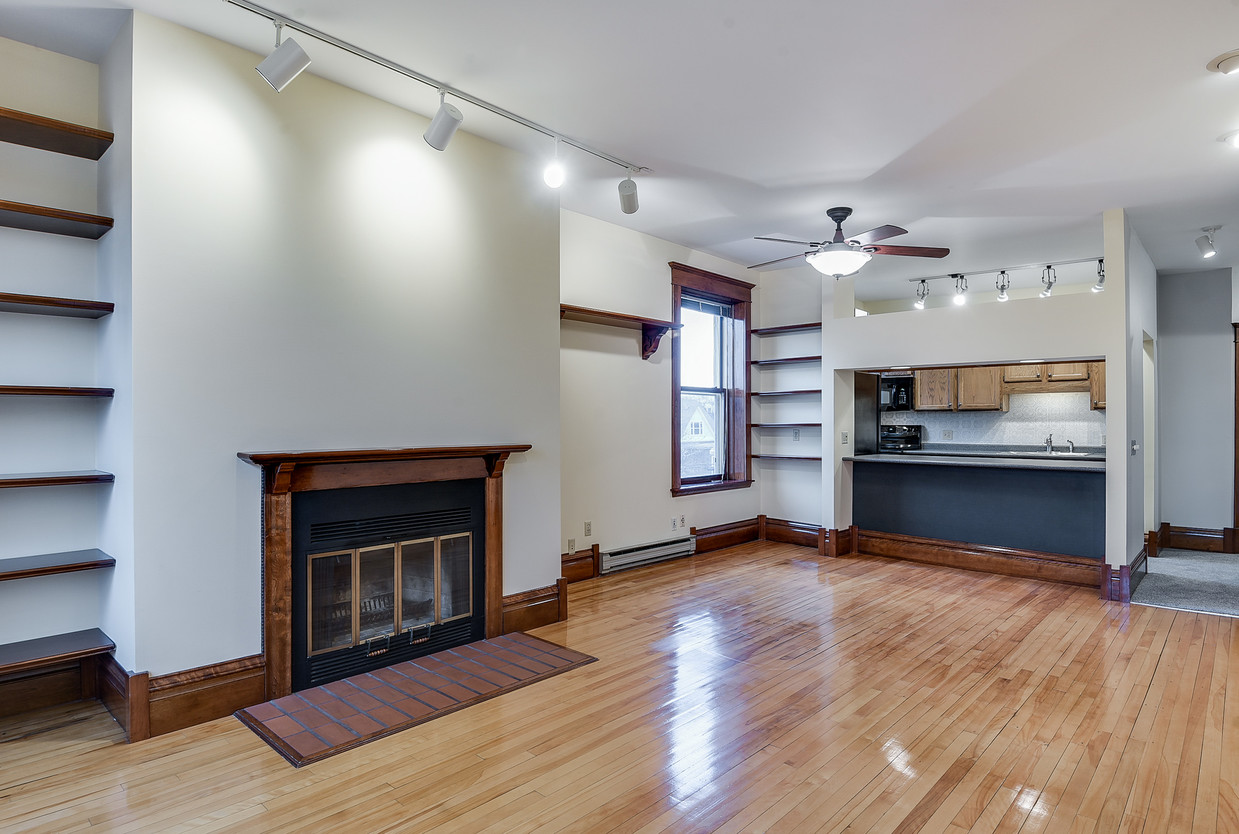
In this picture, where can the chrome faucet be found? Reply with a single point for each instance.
(1049, 443)
(1071, 447)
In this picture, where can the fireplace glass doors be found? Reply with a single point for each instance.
(352, 593)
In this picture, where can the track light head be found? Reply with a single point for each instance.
(1048, 277)
(922, 292)
(1003, 283)
(285, 63)
(961, 291)
(553, 175)
(1205, 242)
(1100, 286)
(628, 195)
(443, 125)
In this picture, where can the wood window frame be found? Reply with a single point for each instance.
(737, 469)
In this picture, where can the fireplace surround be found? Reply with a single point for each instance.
(286, 474)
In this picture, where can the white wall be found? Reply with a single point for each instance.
(308, 274)
(55, 434)
(616, 408)
(1196, 399)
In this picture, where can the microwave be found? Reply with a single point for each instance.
(895, 393)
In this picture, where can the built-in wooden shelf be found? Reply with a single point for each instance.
(652, 330)
(787, 361)
(36, 479)
(784, 425)
(52, 391)
(786, 328)
(796, 393)
(33, 131)
(48, 651)
(787, 457)
(45, 305)
(52, 220)
(46, 564)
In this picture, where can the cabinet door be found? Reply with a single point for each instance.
(980, 389)
(1065, 371)
(1022, 373)
(933, 390)
(1097, 385)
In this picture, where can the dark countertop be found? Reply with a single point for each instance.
(1082, 463)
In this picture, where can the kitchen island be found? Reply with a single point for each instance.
(1052, 504)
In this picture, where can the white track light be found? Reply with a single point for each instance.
(961, 291)
(1003, 283)
(443, 126)
(922, 292)
(1100, 286)
(628, 195)
(285, 63)
(553, 176)
(1048, 277)
(1205, 242)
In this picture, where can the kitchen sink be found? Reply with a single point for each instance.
(1055, 454)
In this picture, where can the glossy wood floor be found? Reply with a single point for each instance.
(756, 689)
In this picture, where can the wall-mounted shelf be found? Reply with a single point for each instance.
(52, 391)
(44, 305)
(36, 479)
(786, 328)
(785, 425)
(53, 221)
(796, 393)
(46, 564)
(787, 457)
(33, 131)
(652, 330)
(787, 361)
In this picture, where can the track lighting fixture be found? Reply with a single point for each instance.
(443, 125)
(1100, 286)
(961, 290)
(1048, 277)
(1003, 283)
(628, 194)
(922, 292)
(1205, 242)
(553, 176)
(285, 63)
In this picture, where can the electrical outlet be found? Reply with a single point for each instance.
(947, 434)
(672, 522)
(682, 522)
(845, 438)
(589, 528)
(572, 545)
(795, 435)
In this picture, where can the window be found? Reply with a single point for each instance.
(709, 409)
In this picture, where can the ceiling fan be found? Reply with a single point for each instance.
(843, 256)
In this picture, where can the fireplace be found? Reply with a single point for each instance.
(289, 478)
(385, 574)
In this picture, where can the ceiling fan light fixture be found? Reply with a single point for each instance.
(838, 259)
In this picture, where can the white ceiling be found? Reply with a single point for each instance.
(1001, 130)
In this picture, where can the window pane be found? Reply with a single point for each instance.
(701, 435)
(455, 577)
(377, 595)
(331, 601)
(417, 583)
(699, 345)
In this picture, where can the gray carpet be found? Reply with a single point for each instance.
(1191, 581)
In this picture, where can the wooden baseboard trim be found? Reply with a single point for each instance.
(584, 564)
(789, 532)
(125, 694)
(725, 535)
(842, 542)
(1116, 582)
(1031, 564)
(1204, 539)
(535, 608)
(195, 696)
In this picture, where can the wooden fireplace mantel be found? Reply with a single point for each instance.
(285, 473)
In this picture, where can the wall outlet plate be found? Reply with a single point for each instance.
(672, 522)
(589, 528)
(572, 545)
(844, 435)
(947, 434)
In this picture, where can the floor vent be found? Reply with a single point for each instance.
(644, 554)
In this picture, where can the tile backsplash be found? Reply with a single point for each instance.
(1030, 418)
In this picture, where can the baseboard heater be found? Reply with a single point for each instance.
(644, 554)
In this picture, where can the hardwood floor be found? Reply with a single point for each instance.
(759, 688)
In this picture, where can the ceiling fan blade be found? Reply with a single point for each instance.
(785, 240)
(779, 260)
(915, 251)
(874, 235)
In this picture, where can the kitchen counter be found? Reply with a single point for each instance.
(1018, 460)
(1047, 504)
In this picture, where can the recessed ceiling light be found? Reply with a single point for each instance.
(1231, 138)
(1226, 63)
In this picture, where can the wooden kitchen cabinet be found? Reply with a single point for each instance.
(1022, 373)
(1097, 385)
(979, 389)
(1062, 371)
(934, 389)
